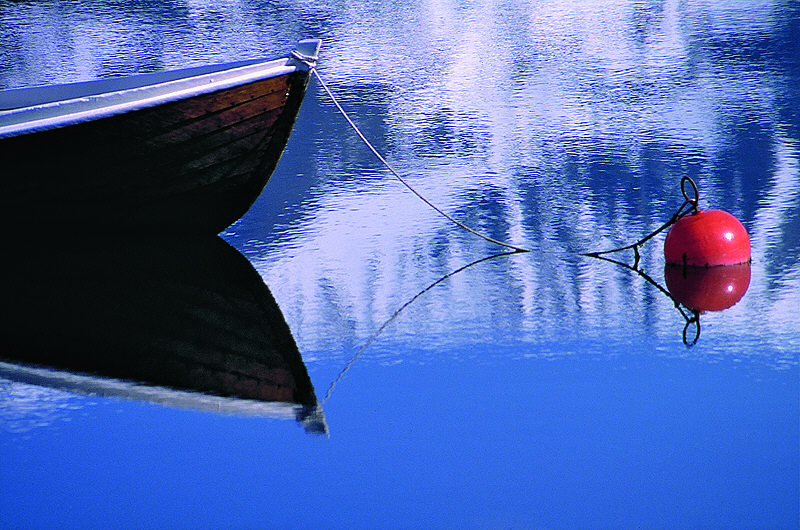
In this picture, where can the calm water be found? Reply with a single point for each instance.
(544, 389)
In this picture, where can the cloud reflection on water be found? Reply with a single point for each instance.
(566, 134)
(563, 127)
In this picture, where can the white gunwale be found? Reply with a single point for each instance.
(155, 91)
(87, 384)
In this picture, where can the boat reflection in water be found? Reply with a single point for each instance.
(187, 324)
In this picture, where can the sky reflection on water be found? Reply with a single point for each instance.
(541, 389)
(533, 137)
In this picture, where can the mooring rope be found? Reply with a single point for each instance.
(397, 313)
(689, 205)
(397, 175)
(691, 316)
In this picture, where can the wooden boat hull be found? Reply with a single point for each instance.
(191, 318)
(192, 165)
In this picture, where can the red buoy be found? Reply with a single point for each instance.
(707, 238)
(707, 289)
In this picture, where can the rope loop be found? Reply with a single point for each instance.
(694, 319)
(308, 60)
(690, 200)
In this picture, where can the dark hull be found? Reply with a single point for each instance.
(191, 317)
(191, 166)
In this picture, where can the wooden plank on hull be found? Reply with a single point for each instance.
(221, 117)
(156, 120)
(181, 152)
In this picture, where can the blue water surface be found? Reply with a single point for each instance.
(538, 390)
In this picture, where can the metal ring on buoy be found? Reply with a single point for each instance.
(692, 201)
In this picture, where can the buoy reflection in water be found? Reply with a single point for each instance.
(707, 288)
